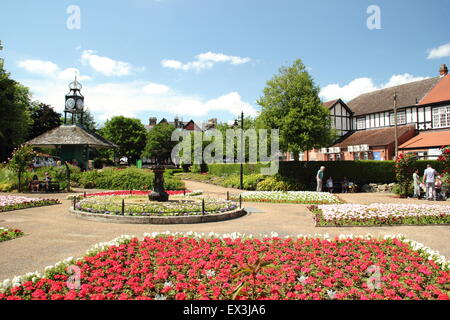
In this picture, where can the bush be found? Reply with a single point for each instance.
(229, 169)
(278, 183)
(249, 181)
(126, 179)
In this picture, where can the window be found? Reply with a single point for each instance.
(441, 117)
(361, 123)
(401, 118)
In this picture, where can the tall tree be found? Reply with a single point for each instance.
(159, 144)
(129, 134)
(14, 119)
(291, 104)
(43, 119)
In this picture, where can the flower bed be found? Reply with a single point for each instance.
(134, 193)
(8, 203)
(301, 197)
(380, 214)
(165, 266)
(141, 206)
(9, 234)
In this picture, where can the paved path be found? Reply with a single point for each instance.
(53, 235)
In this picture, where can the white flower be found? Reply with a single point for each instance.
(331, 294)
(168, 284)
(302, 279)
(210, 273)
(160, 297)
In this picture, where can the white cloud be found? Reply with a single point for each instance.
(360, 86)
(439, 52)
(135, 98)
(50, 69)
(105, 65)
(38, 66)
(203, 61)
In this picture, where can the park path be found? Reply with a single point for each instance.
(53, 235)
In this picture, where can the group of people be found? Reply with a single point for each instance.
(345, 184)
(35, 184)
(431, 184)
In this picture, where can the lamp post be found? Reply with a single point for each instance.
(242, 153)
(395, 123)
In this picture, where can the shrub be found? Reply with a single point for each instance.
(249, 181)
(126, 179)
(404, 168)
(229, 169)
(278, 183)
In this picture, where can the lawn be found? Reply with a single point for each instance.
(174, 266)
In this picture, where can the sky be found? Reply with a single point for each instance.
(202, 59)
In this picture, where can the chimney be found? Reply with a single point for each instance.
(176, 122)
(152, 121)
(443, 70)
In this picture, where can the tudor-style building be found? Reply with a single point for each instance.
(366, 124)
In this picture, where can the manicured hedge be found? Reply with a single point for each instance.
(225, 170)
(304, 172)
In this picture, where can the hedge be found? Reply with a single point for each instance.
(303, 172)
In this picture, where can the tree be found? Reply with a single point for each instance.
(20, 161)
(404, 169)
(291, 104)
(129, 134)
(159, 144)
(14, 119)
(43, 118)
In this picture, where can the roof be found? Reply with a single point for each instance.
(192, 126)
(408, 94)
(428, 140)
(440, 93)
(70, 135)
(375, 137)
(330, 104)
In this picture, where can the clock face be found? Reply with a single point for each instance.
(70, 104)
(80, 104)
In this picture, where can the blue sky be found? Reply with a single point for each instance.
(211, 58)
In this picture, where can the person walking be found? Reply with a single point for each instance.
(319, 178)
(416, 180)
(429, 177)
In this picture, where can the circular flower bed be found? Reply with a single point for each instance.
(164, 266)
(9, 234)
(300, 197)
(380, 214)
(9, 203)
(141, 206)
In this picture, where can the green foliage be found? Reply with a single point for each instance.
(159, 144)
(278, 183)
(43, 118)
(14, 120)
(129, 134)
(249, 181)
(126, 179)
(404, 169)
(20, 161)
(291, 104)
(224, 170)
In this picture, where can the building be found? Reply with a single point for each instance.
(366, 124)
(177, 123)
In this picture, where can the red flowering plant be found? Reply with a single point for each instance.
(404, 168)
(173, 266)
(444, 158)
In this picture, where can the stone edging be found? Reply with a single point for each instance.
(234, 214)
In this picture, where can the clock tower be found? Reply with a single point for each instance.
(74, 102)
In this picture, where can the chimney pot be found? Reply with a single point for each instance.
(443, 70)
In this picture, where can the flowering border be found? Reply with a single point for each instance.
(424, 251)
(254, 196)
(30, 204)
(10, 234)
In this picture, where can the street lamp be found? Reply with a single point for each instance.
(242, 152)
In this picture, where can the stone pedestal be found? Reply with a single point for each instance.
(158, 193)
